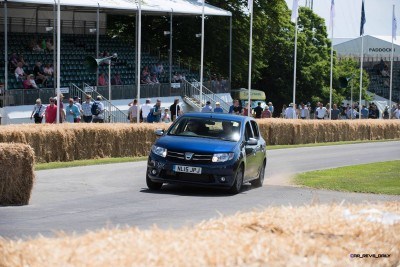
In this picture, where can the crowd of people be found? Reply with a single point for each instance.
(88, 111)
(152, 76)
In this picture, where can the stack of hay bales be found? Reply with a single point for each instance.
(16, 173)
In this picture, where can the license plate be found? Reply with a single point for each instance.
(187, 169)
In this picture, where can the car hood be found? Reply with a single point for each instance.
(195, 144)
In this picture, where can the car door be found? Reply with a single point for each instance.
(260, 148)
(251, 157)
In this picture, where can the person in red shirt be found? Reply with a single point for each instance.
(51, 112)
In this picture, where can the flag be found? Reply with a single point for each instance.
(332, 14)
(295, 10)
(363, 20)
(394, 26)
(250, 5)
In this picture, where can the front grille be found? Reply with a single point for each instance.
(196, 158)
(185, 177)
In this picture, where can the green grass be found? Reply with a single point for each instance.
(379, 178)
(77, 163)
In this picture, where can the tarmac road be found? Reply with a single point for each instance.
(89, 198)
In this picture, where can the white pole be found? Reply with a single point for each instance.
(361, 73)
(294, 71)
(330, 85)
(138, 59)
(202, 55)
(391, 76)
(250, 58)
(109, 91)
(58, 59)
(5, 90)
(170, 49)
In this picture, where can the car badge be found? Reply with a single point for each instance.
(188, 155)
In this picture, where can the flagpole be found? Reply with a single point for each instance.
(58, 61)
(202, 56)
(391, 66)
(294, 71)
(330, 85)
(361, 72)
(139, 49)
(250, 58)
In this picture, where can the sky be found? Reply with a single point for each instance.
(378, 14)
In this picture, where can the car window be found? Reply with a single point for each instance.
(248, 133)
(255, 129)
(206, 128)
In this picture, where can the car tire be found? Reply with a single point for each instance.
(237, 184)
(153, 185)
(259, 181)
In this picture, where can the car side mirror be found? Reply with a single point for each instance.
(159, 132)
(252, 142)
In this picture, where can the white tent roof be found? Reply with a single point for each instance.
(373, 46)
(188, 7)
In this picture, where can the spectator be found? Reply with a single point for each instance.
(258, 110)
(304, 112)
(145, 109)
(157, 111)
(335, 113)
(290, 112)
(271, 108)
(145, 75)
(116, 80)
(102, 80)
(283, 111)
(40, 76)
(386, 113)
(207, 107)
(35, 46)
(364, 112)
(48, 70)
(266, 113)
(396, 113)
(72, 112)
(154, 79)
(247, 109)
(352, 113)
(49, 45)
(175, 110)
(87, 109)
(76, 103)
(373, 112)
(218, 108)
(236, 108)
(21, 59)
(51, 111)
(61, 104)
(13, 62)
(99, 118)
(165, 116)
(30, 83)
(132, 111)
(38, 111)
(320, 112)
(19, 72)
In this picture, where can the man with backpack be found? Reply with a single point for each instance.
(98, 110)
(155, 113)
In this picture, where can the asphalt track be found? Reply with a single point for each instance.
(89, 198)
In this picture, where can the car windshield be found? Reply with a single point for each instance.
(207, 128)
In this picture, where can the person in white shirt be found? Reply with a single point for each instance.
(290, 113)
(320, 112)
(76, 103)
(38, 111)
(19, 72)
(146, 109)
(304, 112)
(396, 113)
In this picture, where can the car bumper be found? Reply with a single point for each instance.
(217, 175)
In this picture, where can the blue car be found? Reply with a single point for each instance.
(208, 149)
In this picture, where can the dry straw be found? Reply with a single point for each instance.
(16, 173)
(323, 235)
(69, 142)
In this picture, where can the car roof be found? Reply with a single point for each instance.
(222, 116)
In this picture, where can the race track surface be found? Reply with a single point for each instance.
(89, 198)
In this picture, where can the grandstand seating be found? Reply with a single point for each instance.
(74, 49)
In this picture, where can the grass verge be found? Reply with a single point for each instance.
(379, 178)
(86, 162)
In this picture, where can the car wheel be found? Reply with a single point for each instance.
(259, 181)
(237, 185)
(153, 185)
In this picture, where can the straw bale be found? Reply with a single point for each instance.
(317, 235)
(67, 142)
(16, 173)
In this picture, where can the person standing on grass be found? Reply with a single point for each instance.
(51, 112)
(38, 111)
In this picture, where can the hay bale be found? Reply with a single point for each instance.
(16, 173)
(316, 235)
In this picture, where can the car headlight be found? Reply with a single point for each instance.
(160, 151)
(222, 157)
